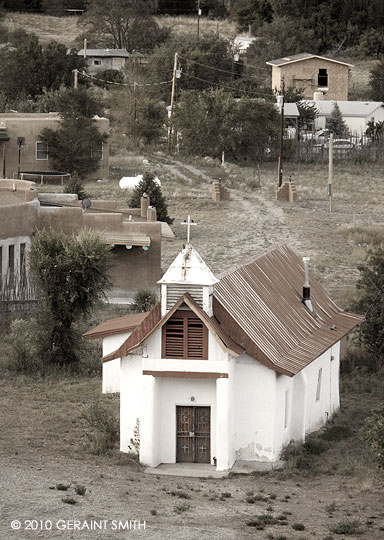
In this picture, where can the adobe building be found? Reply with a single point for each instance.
(22, 151)
(312, 74)
(134, 234)
(102, 59)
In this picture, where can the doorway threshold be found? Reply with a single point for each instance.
(196, 470)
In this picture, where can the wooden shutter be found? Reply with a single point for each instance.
(185, 336)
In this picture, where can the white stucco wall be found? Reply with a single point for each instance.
(131, 393)
(111, 369)
(253, 401)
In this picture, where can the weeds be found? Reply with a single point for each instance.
(298, 526)
(181, 508)
(69, 500)
(105, 426)
(62, 487)
(348, 526)
(80, 490)
(180, 494)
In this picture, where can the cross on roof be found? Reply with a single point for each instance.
(188, 223)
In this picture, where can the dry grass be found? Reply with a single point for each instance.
(62, 29)
(187, 25)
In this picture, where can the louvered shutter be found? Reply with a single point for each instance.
(195, 336)
(174, 338)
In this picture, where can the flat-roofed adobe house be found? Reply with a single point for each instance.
(24, 152)
(228, 369)
(102, 59)
(311, 73)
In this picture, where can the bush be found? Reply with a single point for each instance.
(348, 526)
(106, 428)
(144, 300)
(76, 186)
(23, 339)
(156, 198)
(373, 433)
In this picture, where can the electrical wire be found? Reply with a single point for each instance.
(215, 68)
(228, 87)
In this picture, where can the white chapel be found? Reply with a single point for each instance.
(228, 368)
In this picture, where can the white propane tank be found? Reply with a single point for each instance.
(130, 182)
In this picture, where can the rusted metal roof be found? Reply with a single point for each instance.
(154, 321)
(116, 326)
(260, 306)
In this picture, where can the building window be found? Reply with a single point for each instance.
(22, 259)
(185, 336)
(286, 408)
(11, 259)
(97, 62)
(318, 389)
(41, 150)
(97, 152)
(322, 78)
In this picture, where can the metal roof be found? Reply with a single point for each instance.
(121, 53)
(347, 108)
(119, 325)
(135, 239)
(300, 57)
(262, 302)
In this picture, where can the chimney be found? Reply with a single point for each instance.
(306, 289)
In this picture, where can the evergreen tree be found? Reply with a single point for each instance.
(376, 81)
(156, 198)
(336, 124)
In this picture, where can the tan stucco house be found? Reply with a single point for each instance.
(22, 150)
(313, 74)
(101, 59)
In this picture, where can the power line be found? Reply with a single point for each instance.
(228, 87)
(215, 68)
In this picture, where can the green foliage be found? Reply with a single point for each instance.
(371, 285)
(144, 300)
(150, 119)
(251, 12)
(105, 432)
(372, 43)
(373, 433)
(348, 526)
(62, 487)
(75, 185)
(336, 124)
(123, 24)
(308, 114)
(23, 338)
(212, 121)
(74, 146)
(376, 81)
(27, 68)
(69, 500)
(70, 274)
(80, 490)
(156, 198)
(375, 130)
(108, 77)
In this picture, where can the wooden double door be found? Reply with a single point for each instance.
(193, 434)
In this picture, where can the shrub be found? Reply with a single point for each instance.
(80, 490)
(23, 339)
(298, 527)
(62, 487)
(69, 500)
(182, 507)
(373, 433)
(348, 526)
(106, 428)
(134, 443)
(144, 300)
(315, 446)
(76, 186)
(156, 198)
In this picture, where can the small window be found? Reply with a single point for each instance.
(185, 336)
(286, 408)
(41, 150)
(97, 152)
(97, 62)
(11, 259)
(318, 389)
(322, 78)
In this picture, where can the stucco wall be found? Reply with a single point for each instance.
(304, 74)
(18, 220)
(131, 394)
(111, 370)
(254, 421)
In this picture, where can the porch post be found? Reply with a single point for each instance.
(223, 424)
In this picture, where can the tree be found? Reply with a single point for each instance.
(123, 24)
(336, 124)
(376, 81)
(75, 145)
(371, 302)
(251, 12)
(308, 113)
(156, 198)
(213, 121)
(71, 274)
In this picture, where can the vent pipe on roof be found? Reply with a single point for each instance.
(306, 288)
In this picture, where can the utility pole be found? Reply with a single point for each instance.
(134, 101)
(280, 102)
(75, 78)
(172, 102)
(198, 17)
(330, 173)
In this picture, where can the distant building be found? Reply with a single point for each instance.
(242, 43)
(22, 149)
(102, 59)
(312, 73)
(356, 114)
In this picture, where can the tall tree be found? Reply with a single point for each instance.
(75, 145)
(123, 24)
(71, 274)
(376, 81)
(336, 124)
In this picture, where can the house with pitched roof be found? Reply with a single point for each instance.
(312, 74)
(102, 59)
(229, 368)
